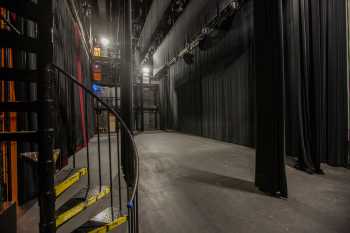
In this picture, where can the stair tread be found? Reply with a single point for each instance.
(68, 177)
(103, 222)
(79, 203)
(105, 216)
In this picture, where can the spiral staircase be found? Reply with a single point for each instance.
(68, 199)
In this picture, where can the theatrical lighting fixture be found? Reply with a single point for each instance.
(206, 30)
(104, 41)
(146, 71)
(235, 4)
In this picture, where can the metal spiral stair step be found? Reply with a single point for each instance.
(104, 222)
(81, 207)
(68, 182)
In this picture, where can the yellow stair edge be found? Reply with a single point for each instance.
(111, 226)
(67, 215)
(74, 178)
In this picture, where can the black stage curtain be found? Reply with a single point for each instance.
(316, 82)
(168, 103)
(270, 150)
(214, 96)
(300, 52)
(70, 55)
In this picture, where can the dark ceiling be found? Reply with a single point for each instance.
(140, 11)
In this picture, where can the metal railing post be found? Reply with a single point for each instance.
(110, 164)
(87, 141)
(98, 112)
(46, 164)
(126, 88)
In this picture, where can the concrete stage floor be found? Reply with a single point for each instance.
(195, 185)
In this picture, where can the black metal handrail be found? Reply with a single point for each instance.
(132, 197)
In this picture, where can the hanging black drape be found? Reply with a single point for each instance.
(70, 55)
(214, 96)
(316, 82)
(270, 166)
(336, 76)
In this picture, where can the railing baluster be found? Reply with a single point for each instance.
(98, 143)
(66, 93)
(136, 211)
(131, 208)
(119, 170)
(57, 101)
(73, 120)
(110, 164)
(87, 141)
(130, 218)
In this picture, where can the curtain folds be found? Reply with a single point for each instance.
(214, 97)
(316, 74)
(270, 174)
(72, 57)
(348, 76)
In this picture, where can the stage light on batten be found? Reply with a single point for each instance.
(235, 4)
(104, 41)
(146, 70)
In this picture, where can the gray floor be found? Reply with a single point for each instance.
(191, 184)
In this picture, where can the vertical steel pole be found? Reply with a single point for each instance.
(126, 82)
(142, 105)
(348, 78)
(126, 87)
(98, 113)
(87, 141)
(110, 163)
(46, 163)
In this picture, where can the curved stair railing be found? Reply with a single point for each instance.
(111, 219)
